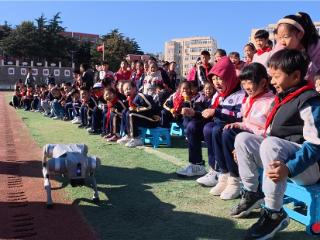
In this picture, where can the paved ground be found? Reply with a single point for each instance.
(22, 198)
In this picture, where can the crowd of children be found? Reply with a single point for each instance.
(258, 115)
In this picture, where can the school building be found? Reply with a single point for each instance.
(81, 37)
(11, 72)
(185, 51)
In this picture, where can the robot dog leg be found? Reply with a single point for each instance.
(71, 161)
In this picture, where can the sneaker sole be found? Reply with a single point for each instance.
(256, 205)
(283, 225)
(189, 176)
(207, 185)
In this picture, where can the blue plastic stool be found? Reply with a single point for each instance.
(176, 130)
(155, 136)
(310, 197)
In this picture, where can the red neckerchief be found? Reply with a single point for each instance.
(177, 102)
(130, 101)
(110, 105)
(278, 104)
(29, 93)
(251, 102)
(207, 68)
(138, 75)
(263, 50)
(217, 100)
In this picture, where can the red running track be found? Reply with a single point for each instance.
(23, 214)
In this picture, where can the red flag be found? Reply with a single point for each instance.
(100, 48)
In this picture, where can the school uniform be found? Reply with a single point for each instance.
(96, 116)
(292, 138)
(142, 114)
(16, 99)
(35, 103)
(194, 129)
(113, 116)
(86, 111)
(27, 100)
(174, 103)
(254, 111)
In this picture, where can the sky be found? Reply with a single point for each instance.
(152, 23)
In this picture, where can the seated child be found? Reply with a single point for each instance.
(235, 59)
(87, 105)
(96, 119)
(46, 101)
(56, 106)
(66, 101)
(35, 104)
(16, 98)
(201, 102)
(141, 113)
(161, 95)
(74, 112)
(27, 98)
(255, 108)
(152, 78)
(261, 38)
(290, 150)
(115, 107)
(225, 109)
(174, 104)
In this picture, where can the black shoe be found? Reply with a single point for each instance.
(94, 132)
(81, 125)
(248, 202)
(269, 223)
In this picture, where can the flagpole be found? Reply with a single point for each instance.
(103, 52)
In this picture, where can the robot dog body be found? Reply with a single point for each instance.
(71, 161)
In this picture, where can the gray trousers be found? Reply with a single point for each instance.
(255, 153)
(46, 105)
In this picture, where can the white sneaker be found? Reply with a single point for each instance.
(232, 191)
(124, 140)
(192, 170)
(76, 120)
(134, 142)
(57, 118)
(210, 179)
(221, 185)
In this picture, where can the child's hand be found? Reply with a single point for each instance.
(207, 113)
(175, 114)
(277, 171)
(132, 108)
(232, 125)
(235, 156)
(187, 112)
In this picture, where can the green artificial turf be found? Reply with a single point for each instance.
(141, 197)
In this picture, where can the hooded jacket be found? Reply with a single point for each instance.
(227, 104)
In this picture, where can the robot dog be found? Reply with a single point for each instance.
(71, 161)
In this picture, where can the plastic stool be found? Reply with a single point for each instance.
(155, 136)
(310, 197)
(176, 130)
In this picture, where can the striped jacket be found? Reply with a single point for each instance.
(229, 109)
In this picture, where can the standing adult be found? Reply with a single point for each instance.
(87, 75)
(30, 80)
